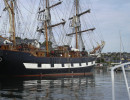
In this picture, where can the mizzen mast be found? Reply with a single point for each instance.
(10, 8)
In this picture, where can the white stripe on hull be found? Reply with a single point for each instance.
(30, 65)
(57, 66)
(76, 64)
(83, 64)
(45, 66)
(67, 65)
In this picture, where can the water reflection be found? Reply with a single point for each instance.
(96, 87)
(46, 89)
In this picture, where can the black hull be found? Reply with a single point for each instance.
(21, 64)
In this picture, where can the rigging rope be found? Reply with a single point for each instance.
(26, 8)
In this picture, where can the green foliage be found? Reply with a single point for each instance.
(17, 37)
(100, 60)
(26, 39)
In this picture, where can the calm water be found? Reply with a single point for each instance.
(96, 87)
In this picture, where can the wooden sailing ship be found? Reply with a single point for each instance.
(27, 59)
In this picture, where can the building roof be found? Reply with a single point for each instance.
(30, 40)
(25, 41)
(19, 41)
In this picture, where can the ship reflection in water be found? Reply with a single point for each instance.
(47, 89)
(96, 87)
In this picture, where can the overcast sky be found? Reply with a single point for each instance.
(114, 18)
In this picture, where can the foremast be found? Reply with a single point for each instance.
(10, 8)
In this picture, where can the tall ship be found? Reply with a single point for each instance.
(59, 44)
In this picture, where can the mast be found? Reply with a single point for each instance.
(45, 20)
(120, 46)
(76, 24)
(47, 50)
(10, 9)
(76, 37)
(13, 21)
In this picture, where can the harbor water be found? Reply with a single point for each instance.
(96, 87)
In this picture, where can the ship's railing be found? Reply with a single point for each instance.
(125, 78)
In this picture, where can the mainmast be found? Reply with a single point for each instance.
(45, 18)
(10, 8)
(47, 50)
(46, 29)
(76, 24)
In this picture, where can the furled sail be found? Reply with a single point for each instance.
(11, 29)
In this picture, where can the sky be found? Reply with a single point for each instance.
(114, 19)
